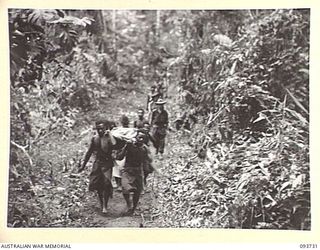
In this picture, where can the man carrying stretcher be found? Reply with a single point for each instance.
(137, 163)
(133, 171)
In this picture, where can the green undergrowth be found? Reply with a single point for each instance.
(244, 184)
(50, 193)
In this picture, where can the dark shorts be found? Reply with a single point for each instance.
(158, 133)
(100, 176)
(132, 180)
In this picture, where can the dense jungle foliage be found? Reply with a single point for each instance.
(237, 79)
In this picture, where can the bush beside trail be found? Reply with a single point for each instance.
(243, 77)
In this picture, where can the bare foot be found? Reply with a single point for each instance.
(129, 212)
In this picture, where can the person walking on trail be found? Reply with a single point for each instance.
(141, 121)
(124, 120)
(148, 167)
(101, 173)
(118, 164)
(132, 173)
(153, 96)
(159, 125)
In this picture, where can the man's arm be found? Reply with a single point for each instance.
(152, 118)
(87, 156)
(111, 137)
(166, 123)
(122, 152)
(148, 101)
(147, 161)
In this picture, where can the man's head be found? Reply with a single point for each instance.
(160, 103)
(112, 125)
(124, 121)
(146, 126)
(140, 113)
(101, 127)
(153, 88)
(160, 106)
(141, 138)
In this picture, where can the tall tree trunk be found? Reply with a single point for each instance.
(100, 29)
(114, 38)
(158, 24)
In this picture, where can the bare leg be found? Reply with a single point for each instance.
(136, 196)
(105, 199)
(156, 144)
(100, 195)
(118, 182)
(161, 145)
(128, 201)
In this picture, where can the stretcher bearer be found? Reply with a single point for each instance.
(101, 173)
(141, 121)
(118, 165)
(133, 171)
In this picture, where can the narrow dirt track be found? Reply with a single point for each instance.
(90, 214)
(62, 192)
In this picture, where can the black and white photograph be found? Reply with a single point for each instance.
(159, 118)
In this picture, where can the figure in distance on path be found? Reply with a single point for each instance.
(153, 96)
(159, 125)
(141, 121)
(101, 173)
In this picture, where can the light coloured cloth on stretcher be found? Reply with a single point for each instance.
(126, 134)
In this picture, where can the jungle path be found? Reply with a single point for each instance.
(242, 156)
(56, 195)
(89, 213)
